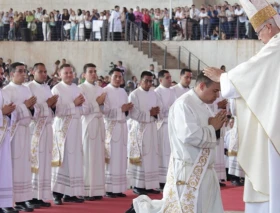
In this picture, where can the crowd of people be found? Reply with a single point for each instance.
(84, 138)
(215, 22)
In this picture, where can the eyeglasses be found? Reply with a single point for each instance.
(258, 33)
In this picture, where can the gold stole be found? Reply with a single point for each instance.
(135, 142)
(187, 203)
(38, 130)
(3, 130)
(59, 139)
(109, 127)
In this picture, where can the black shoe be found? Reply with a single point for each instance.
(87, 198)
(119, 194)
(161, 185)
(222, 184)
(236, 183)
(57, 201)
(73, 199)
(110, 195)
(131, 209)
(9, 210)
(139, 191)
(23, 208)
(32, 204)
(44, 204)
(152, 191)
(98, 197)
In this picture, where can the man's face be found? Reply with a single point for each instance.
(1, 61)
(90, 74)
(146, 82)
(210, 93)
(166, 80)
(1, 74)
(66, 75)
(186, 79)
(19, 74)
(265, 33)
(116, 79)
(40, 74)
(152, 68)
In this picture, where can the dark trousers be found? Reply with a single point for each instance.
(6, 30)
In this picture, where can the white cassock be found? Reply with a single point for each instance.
(116, 139)
(220, 159)
(257, 202)
(115, 22)
(93, 131)
(167, 97)
(144, 133)
(6, 180)
(180, 90)
(67, 171)
(20, 141)
(190, 135)
(41, 141)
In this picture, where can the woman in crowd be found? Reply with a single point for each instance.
(53, 27)
(46, 26)
(66, 23)
(80, 30)
(157, 25)
(73, 20)
(88, 25)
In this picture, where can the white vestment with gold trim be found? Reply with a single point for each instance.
(193, 143)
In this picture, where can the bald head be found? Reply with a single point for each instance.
(267, 30)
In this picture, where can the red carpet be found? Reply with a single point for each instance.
(232, 201)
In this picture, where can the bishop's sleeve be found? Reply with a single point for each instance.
(63, 109)
(136, 113)
(227, 88)
(188, 128)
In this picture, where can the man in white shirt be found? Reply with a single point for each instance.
(184, 85)
(143, 168)
(194, 15)
(240, 13)
(167, 97)
(93, 136)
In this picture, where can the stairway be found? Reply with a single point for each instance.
(158, 56)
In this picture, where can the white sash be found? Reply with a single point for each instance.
(38, 130)
(187, 203)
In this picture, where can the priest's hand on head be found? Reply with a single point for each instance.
(213, 73)
(52, 101)
(127, 107)
(218, 121)
(29, 103)
(100, 99)
(154, 111)
(79, 100)
(8, 109)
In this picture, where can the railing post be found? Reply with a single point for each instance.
(179, 58)
(164, 59)
(198, 67)
(220, 31)
(190, 57)
(170, 29)
(130, 32)
(202, 34)
(237, 28)
(140, 39)
(125, 30)
(78, 35)
(150, 45)
(113, 31)
(108, 31)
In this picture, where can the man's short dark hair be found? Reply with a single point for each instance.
(115, 70)
(162, 73)
(202, 78)
(38, 64)
(120, 62)
(151, 65)
(13, 66)
(183, 71)
(65, 65)
(87, 66)
(146, 73)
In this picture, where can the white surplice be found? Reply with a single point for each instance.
(115, 22)
(220, 158)
(167, 97)
(93, 142)
(20, 141)
(180, 90)
(41, 180)
(115, 170)
(6, 181)
(68, 178)
(189, 132)
(257, 202)
(145, 175)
